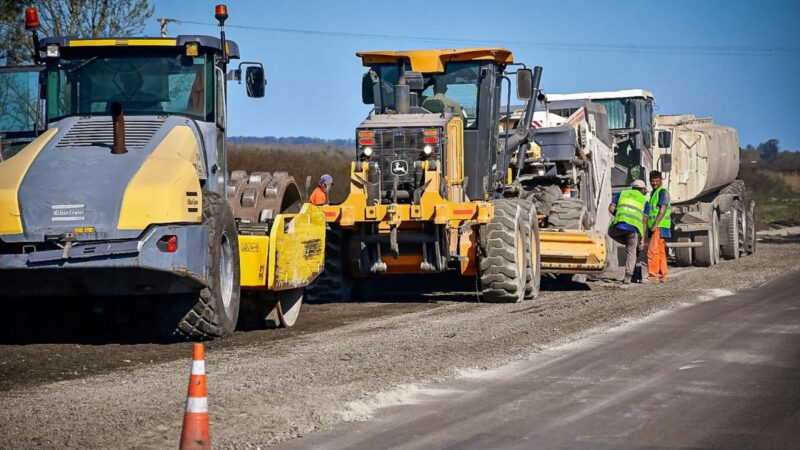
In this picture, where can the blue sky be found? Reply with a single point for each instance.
(711, 58)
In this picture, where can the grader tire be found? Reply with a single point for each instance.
(502, 264)
(333, 284)
(568, 214)
(533, 257)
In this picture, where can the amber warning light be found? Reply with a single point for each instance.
(221, 13)
(31, 18)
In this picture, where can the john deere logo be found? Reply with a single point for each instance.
(399, 167)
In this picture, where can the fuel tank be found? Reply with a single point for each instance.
(704, 155)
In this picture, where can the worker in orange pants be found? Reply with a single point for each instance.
(659, 224)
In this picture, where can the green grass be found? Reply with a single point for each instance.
(776, 194)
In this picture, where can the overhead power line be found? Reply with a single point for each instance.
(711, 50)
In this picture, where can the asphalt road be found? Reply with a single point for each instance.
(724, 374)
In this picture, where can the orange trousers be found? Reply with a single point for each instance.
(657, 257)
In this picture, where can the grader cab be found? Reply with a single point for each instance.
(427, 184)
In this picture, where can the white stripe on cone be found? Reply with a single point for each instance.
(197, 405)
(198, 368)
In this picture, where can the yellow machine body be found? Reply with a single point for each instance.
(572, 251)
(290, 257)
(455, 212)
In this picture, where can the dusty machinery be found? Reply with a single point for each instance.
(567, 174)
(713, 214)
(427, 189)
(124, 193)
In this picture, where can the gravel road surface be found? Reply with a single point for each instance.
(341, 363)
(720, 374)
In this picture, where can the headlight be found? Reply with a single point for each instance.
(367, 151)
(427, 150)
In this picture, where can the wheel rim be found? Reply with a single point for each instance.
(226, 270)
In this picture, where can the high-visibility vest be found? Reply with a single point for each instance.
(666, 221)
(630, 209)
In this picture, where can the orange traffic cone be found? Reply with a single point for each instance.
(196, 434)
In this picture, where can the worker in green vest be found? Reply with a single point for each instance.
(659, 226)
(629, 223)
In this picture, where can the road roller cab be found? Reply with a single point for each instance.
(125, 191)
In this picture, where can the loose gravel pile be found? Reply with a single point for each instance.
(264, 393)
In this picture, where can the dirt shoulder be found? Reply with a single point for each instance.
(271, 387)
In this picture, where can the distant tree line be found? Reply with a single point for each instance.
(770, 156)
(294, 141)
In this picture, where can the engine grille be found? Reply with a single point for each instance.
(101, 133)
(396, 151)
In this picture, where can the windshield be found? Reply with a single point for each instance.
(455, 90)
(620, 113)
(144, 82)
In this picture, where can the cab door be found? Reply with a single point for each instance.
(22, 112)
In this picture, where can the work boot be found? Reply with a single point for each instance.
(627, 279)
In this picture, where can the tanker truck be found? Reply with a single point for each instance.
(713, 214)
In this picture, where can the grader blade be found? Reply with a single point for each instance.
(572, 251)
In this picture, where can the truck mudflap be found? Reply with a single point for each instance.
(291, 257)
(572, 251)
(128, 267)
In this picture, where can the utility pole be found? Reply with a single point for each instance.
(164, 21)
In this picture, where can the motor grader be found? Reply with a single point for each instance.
(126, 192)
(428, 188)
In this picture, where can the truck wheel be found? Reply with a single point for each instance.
(502, 264)
(684, 255)
(333, 284)
(708, 254)
(750, 242)
(214, 311)
(533, 273)
(568, 214)
(729, 224)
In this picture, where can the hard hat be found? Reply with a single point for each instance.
(639, 184)
(326, 179)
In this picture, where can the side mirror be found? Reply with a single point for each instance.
(256, 81)
(367, 91)
(524, 84)
(665, 162)
(664, 139)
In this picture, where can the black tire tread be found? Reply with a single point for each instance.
(204, 321)
(500, 279)
(333, 284)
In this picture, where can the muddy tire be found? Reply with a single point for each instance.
(544, 197)
(334, 284)
(502, 263)
(214, 311)
(708, 254)
(568, 214)
(683, 256)
(533, 257)
(729, 227)
(750, 240)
